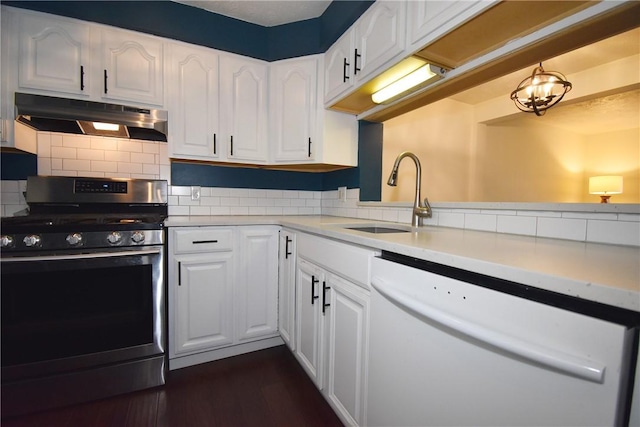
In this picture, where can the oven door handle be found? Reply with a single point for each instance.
(83, 256)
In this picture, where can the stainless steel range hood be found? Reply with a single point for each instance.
(47, 113)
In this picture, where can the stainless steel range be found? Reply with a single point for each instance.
(82, 292)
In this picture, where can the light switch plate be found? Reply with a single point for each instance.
(342, 194)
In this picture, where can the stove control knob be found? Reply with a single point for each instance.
(6, 241)
(74, 239)
(114, 238)
(137, 237)
(32, 240)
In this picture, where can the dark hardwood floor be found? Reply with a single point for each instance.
(263, 388)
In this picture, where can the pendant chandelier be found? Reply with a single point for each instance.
(541, 91)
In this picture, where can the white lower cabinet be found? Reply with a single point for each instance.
(347, 344)
(310, 319)
(256, 293)
(223, 292)
(203, 301)
(287, 287)
(332, 321)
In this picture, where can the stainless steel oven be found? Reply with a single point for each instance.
(83, 293)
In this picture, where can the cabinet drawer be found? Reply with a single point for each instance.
(193, 240)
(349, 261)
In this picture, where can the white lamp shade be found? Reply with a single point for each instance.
(609, 184)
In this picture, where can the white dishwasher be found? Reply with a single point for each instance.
(447, 352)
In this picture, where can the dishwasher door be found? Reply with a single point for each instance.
(447, 352)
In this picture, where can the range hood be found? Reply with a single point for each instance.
(48, 113)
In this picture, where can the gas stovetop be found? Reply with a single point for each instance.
(87, 213)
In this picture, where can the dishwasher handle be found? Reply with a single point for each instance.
(558, 360)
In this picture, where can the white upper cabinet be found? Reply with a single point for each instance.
(70, 58)
(374, 43)
(338, 62)
(54, 54)
(132, 67)
(193, 103)
(380, 38)
(293, 106)
(429, 19)
(243, 108)
(301, 130)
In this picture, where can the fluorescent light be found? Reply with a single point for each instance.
(426, 73)
(106, 126)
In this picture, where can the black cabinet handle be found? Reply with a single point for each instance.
(286, 247)
(105, 81)
(325, 288)
(82, 77)
(200, 242)
(309, 147)
(232, 145)
(345, 64)
(214, 143)
(313, 289)
(355, 63)
(179, 273)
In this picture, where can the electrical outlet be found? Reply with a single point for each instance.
(342, 194)
(195, 192)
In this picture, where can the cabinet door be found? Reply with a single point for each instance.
(243, 108)
(256, 296)
(429, 19)
(287, 288)
(338, 68)
(347, 345)
(380, 38)
(132, 67)
(293, 107)
(203, 297)
(54, 55)
(309, 320)
(193, 103)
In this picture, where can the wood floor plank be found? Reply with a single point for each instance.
(267, 388)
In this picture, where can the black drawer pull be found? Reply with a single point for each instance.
(82, 77)
(286, 247)
(199, 242)
(355, 63)
(345, 64)
(105, 81)
(325, 288)
(179, 273)
(313, 289)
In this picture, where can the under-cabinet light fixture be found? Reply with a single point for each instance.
(605, 186)
(106, 126)
(419, 78)
(540, 91)
(103, 129)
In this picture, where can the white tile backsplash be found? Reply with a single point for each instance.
(561, 228)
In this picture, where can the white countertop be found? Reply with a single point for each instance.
(609, 274)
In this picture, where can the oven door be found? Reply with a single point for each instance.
(67, 312)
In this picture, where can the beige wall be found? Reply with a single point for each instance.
(528, 162)
(439, 134)
(515, 161)
(614, 153)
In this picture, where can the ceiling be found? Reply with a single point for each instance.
(613, 112)
(267, 13)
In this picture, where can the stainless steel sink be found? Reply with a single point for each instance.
(379, 229)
